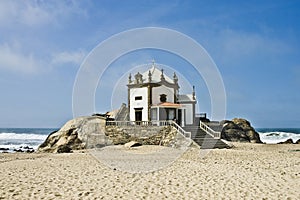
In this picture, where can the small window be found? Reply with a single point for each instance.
(163, 98)
(138, 98)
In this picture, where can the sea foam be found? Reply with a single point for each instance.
(21, 136)
(13, 141)
(277, 137)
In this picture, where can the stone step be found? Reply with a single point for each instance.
(216, 126)
(204, 140)
(210, 143)
(195, 131)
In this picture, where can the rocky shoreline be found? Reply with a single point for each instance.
(84, 132)
(20, 149)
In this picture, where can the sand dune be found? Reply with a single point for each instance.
(249, 171)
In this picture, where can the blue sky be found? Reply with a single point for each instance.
(255, 45)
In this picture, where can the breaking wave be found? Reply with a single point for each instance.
(276, 137)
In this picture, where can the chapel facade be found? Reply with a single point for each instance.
(153, 96)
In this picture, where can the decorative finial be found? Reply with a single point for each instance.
(138, 78)
(149, 76)
(129, 79)
(175, 78)
(194, 98)
(162, 77)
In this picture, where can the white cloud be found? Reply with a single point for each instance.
(11, 59)
(22, 12)
(35, 13)
(23, 25)
(75, 57)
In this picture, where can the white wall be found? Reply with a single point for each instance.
(189, 113)
(139, 103)
(156, 91)
(154, 114)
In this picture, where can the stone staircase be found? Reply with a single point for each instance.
(215, 125)
(122, 114)
(204, 139)
(206, 135)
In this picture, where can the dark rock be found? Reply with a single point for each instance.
(235, 135)
(46, 142)
(132, 144)
(4, 149)
(99, 115)
(297, 142)
(18, 150)
(273, 134)
(29, 151)
(100, 145)
(64, 149)
(288, 141)
(239, 130)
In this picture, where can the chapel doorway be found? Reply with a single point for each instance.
(138, 114)
(179, 117)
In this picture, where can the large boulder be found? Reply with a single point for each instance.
(239, 130)
(73, 135)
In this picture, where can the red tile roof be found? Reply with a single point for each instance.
(169, 105)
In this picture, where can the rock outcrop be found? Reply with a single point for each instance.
(239, 130)
(92, 132)
(147, 136)
(73, 135)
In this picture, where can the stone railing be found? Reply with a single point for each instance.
(149, 123)
(138, 123)
(209, 131)
(181, 130)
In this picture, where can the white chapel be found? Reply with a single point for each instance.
(153, 96)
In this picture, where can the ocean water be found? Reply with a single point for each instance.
(22, 138)
(276, 135)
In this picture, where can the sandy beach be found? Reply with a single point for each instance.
(248, 171)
